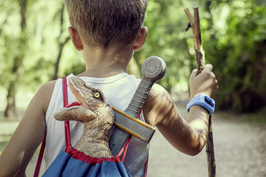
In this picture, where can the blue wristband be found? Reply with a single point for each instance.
(204, 101)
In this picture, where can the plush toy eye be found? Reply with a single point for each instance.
(97, 95)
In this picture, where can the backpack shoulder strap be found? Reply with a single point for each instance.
(65, 103)
(39, 161)
(67, 132)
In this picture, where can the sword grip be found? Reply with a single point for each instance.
(139, 98)
(153, 69)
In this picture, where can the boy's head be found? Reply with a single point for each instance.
(106, 22)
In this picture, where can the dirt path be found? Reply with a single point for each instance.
(240, 151)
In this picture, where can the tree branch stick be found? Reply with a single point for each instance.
(194, 24)
(195, 27)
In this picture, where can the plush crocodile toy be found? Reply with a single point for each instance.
(96, 114)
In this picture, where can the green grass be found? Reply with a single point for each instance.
(2, 146)
(6, 130)
(258, 118)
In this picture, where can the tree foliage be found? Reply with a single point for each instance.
(167, 39)
(233, 34)
(237, 50)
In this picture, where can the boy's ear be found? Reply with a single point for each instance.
(75, 37)
(140, 39)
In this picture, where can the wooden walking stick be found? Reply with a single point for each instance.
(194, 24)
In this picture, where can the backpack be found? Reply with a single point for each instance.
(72, 162)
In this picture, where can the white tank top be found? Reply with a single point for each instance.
(118, 90)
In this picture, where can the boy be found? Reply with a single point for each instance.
(107, 33)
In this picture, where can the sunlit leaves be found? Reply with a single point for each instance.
(236, 52)
(233, 35)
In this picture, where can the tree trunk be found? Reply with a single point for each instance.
(17, 62)
(61, 43)
(61, 46)
(11, 101)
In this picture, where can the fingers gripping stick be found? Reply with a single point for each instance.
(153, 69)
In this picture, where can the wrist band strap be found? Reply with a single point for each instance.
(204, 101)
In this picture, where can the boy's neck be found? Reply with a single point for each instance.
(102, 63)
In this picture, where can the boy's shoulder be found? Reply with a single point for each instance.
(47, 88)
(44, 94)
(157, 93)
(157, 103)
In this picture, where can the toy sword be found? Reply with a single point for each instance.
(127, 122)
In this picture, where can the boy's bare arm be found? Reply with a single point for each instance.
(188, 136)
(28, 135)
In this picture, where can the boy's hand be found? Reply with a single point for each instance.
(205, 82)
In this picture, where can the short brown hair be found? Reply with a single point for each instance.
(105, 22)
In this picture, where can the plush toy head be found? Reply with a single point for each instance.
(91, 103)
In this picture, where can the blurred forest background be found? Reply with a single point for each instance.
(35, 47)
